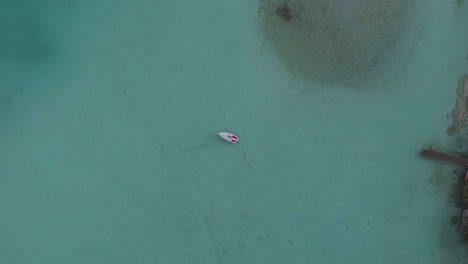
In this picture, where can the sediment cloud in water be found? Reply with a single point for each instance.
(336, 42)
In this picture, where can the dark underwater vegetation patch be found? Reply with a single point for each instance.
(32, 37)
(337, 42)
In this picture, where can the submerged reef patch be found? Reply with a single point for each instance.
(284, 12)
(460, 112)
(335, 41)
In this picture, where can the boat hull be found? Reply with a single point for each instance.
(229, 137)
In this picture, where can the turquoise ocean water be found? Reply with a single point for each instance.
(109, 154)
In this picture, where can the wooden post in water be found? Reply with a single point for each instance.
(446, 157)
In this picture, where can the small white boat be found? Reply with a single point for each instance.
(229, 137)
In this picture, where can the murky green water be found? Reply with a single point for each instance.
(109, 112)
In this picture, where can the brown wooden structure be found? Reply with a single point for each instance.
(445, 157)
(457, 160)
